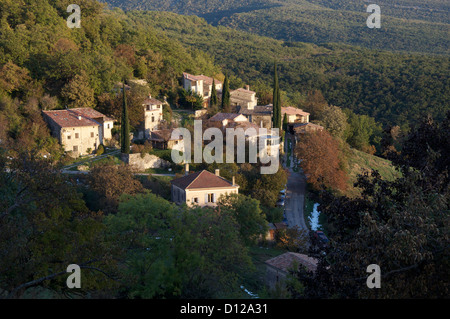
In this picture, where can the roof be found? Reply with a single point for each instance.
(91, 113)
(75, 117)
(303, 127)
(244, 125)
(280, 225)
(152, 101)
(206, 79)
(242, 90)
(259, 110)
(285, 261)
(293, 111)
(163, 136)
(203, 179)
(219, 117)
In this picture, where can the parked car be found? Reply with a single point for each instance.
(280, 203)
(322, 238)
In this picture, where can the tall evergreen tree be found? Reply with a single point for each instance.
(276, 120)
(213, 102)
(226, 104)
(125, 127)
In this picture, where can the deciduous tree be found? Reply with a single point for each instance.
(320, 159)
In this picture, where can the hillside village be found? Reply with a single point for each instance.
(83, 132)
(333, 158)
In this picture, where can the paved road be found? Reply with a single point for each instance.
(295, 195)
(295, 200)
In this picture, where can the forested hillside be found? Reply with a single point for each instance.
(408, 25)
(394, 88)
(46, 65)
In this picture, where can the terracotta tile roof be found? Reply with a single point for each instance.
(219, 117)
(206, 79)
(70, 118)
(285, 261)
(91, 113)
(163, 135)
(242, 90)
(293, 111)
(203, 179)
(244, 126)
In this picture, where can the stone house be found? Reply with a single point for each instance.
(278, 268)
(222, 120)
(163, 140)
(259, 115)
(153, 115)
(201, 188)
(244, 98)
(81, 130)
(202, 85)
(302, 128)
(294, 115)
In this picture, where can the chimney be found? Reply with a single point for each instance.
(234, 181)
(79, 117)
(247, 87)
(218, 172)
(186, 169)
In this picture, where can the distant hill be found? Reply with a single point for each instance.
(407, 25)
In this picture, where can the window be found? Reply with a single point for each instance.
(148, 107)
(77, 135)
(69, 137)
(108, 125)
(75, 148)
(153, 119)
(211, 198)
(195, 200)
(92, 134)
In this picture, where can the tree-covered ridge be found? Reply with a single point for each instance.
(45, 65)
(196, 7)
(392, 87)
(431, 10)
(407, 26)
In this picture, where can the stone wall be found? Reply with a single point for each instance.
(136, 161)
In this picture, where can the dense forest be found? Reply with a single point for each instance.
(407, 26)
(392, 87)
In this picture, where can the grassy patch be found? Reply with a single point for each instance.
(359, 162)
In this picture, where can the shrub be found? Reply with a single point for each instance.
(100, 150)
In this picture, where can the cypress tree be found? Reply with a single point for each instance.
(125, 127)
(276, 119)
(226, 104)
(213, 102)
(285, 122)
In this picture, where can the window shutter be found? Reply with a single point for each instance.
(206, 198)
(214, 198)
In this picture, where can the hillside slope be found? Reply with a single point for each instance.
(408, 25)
